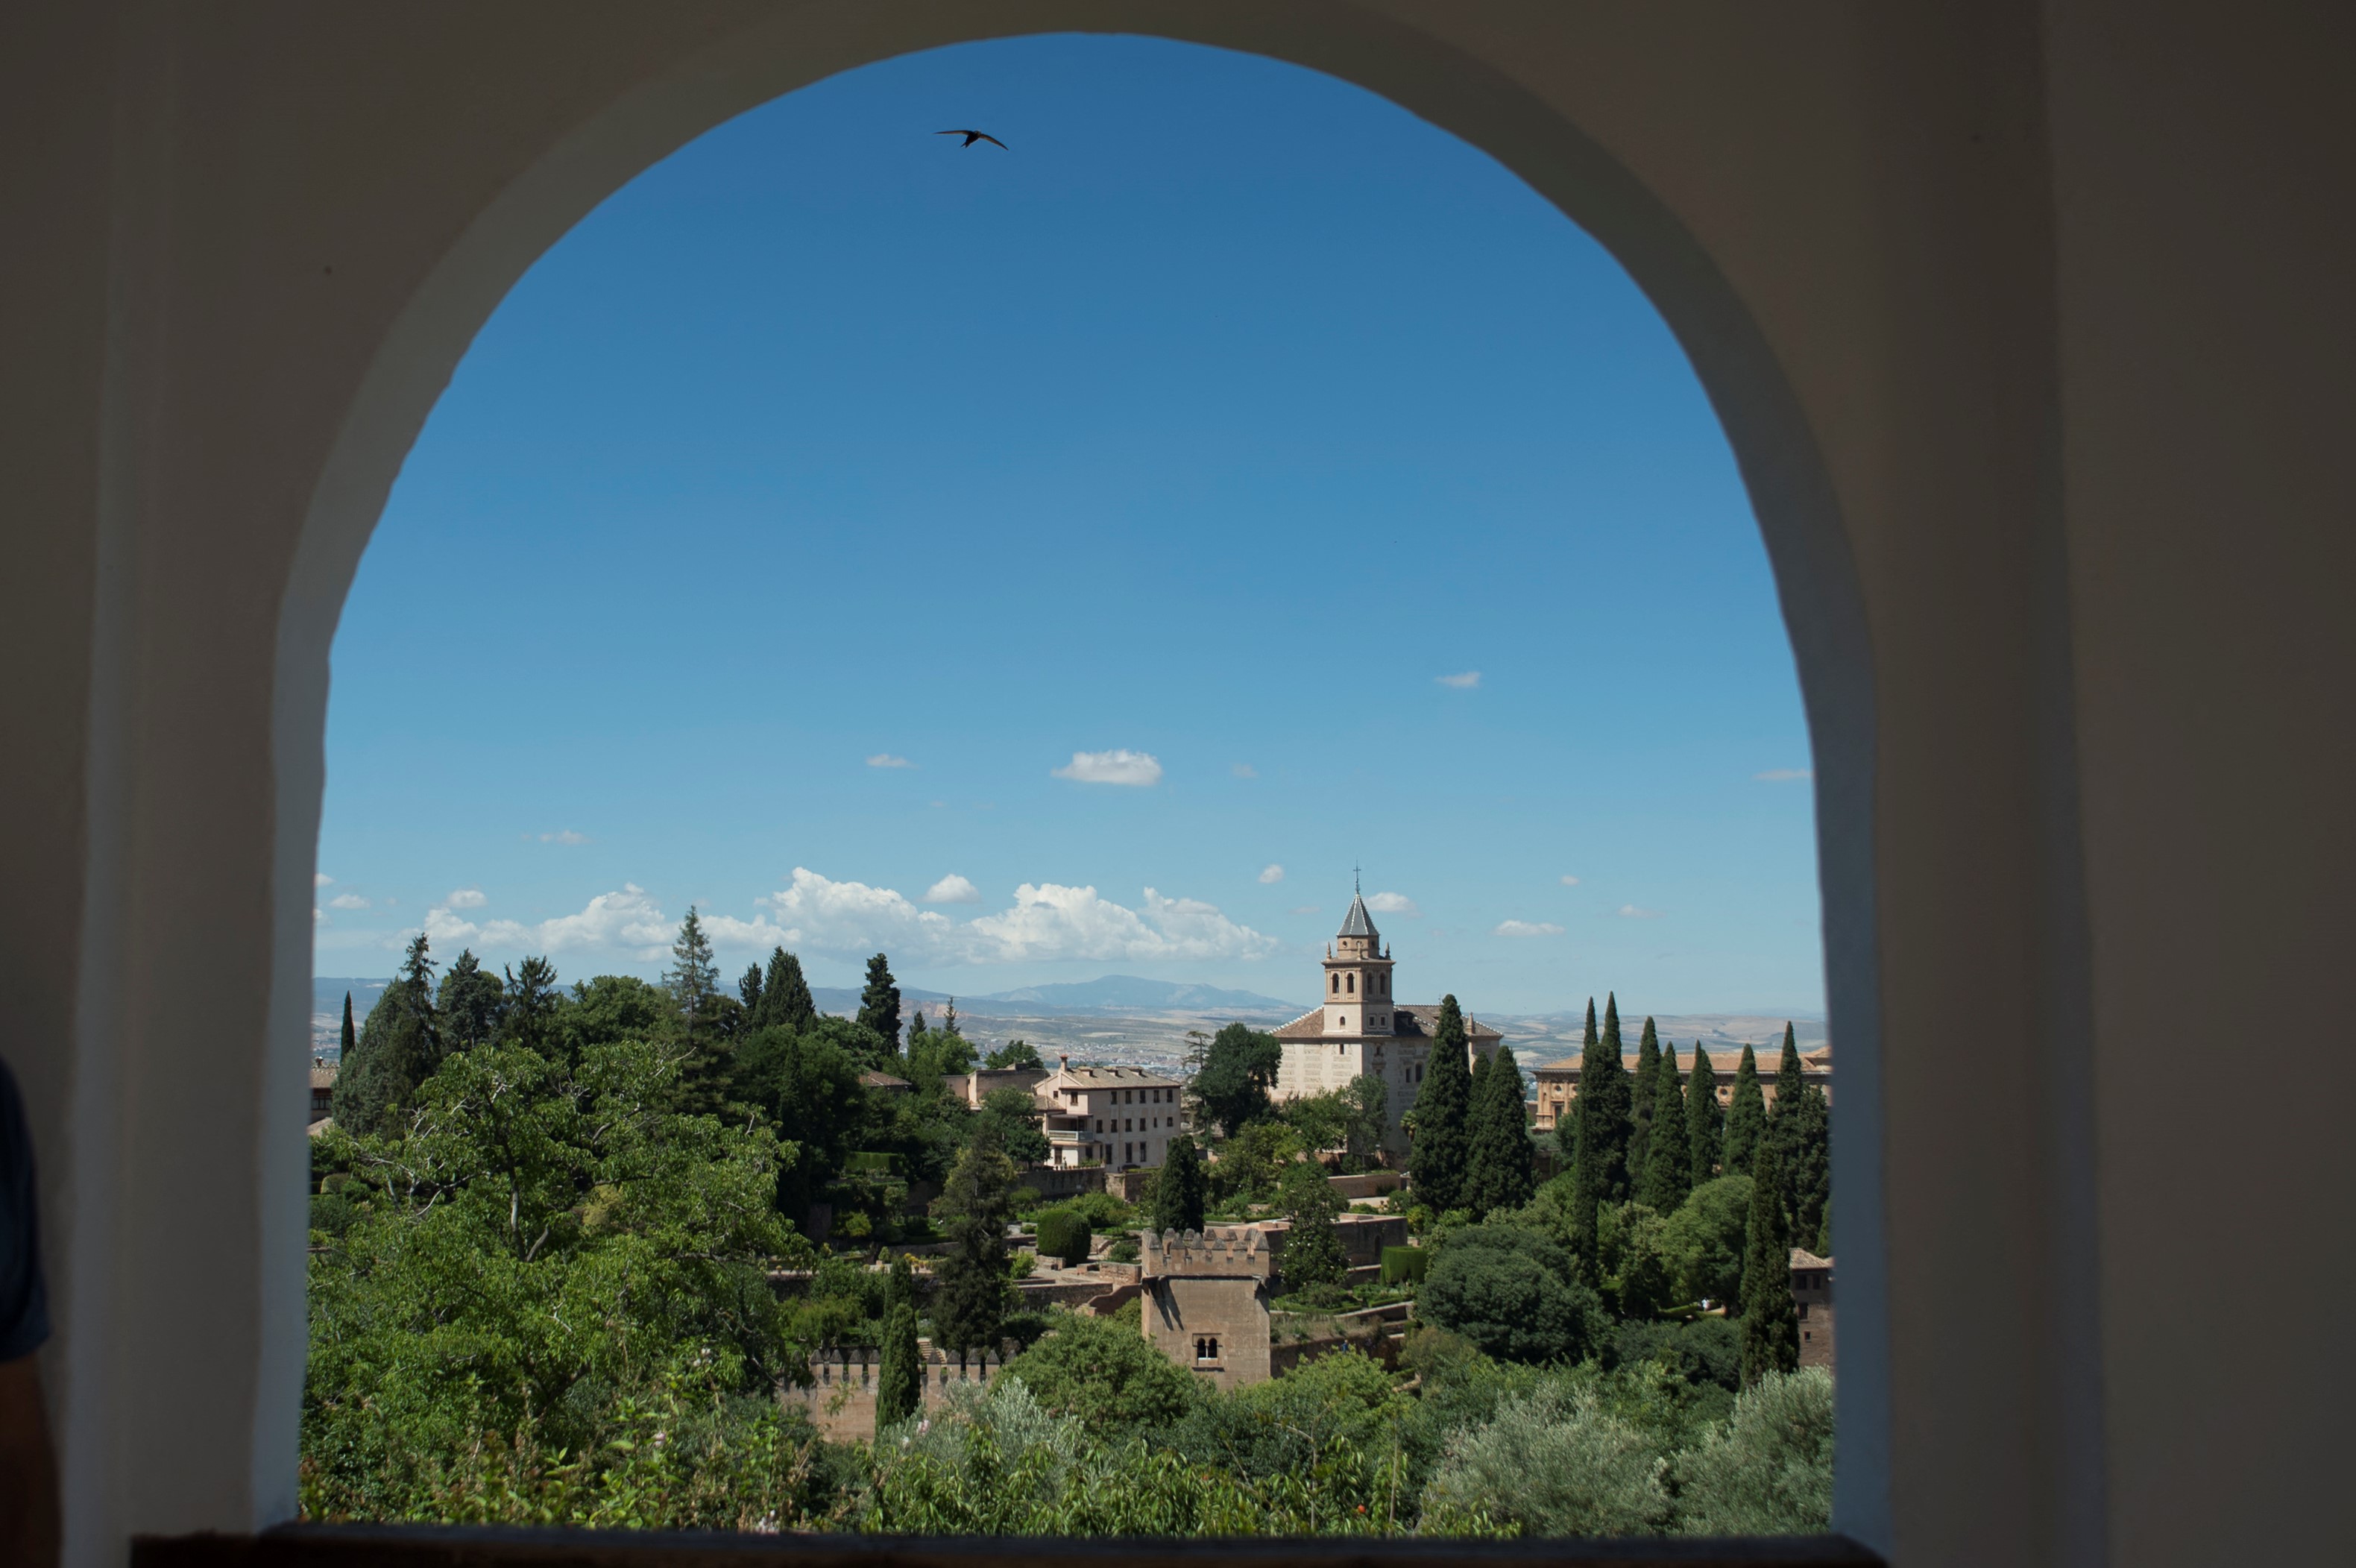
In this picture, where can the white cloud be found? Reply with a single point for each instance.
(320, 879)
(1570, 881)
(1629, 912)
(1527, 929)
(1118, 766)
(1391, 904)
(1270, 874)
(348, 901)
(952, 889)
(318, 916)
(1302, 909)
(1463, 683)
(626, 921)
(885, 759)
(466, 898)
(1783, 775)
(1244, 770)
(1047, 922)
(565, 836)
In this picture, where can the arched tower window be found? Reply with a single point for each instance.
(1352, 986)
(1338, 985)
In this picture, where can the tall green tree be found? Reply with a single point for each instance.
(1803, 1151)
(471, 1003)
(1640, 1102)
(1497, 1161)
(748, 993)
(1770, 1323)
(533, 1002)
(900, 1381)
(692, 980)
(1599, 1164)
(806, 1087)
(1566, 1128)
(1238, 1073)
(1789, 1081)
(1443, 1105)
(1746, 1116)
(1669, 1162)
(879, 1003)
(1015, 1055)
(399, 1047)
(975, 1280)
(1705, 1122)
(786, 999)
(1178, 1195)
(1313, 1259)
(350, 1038)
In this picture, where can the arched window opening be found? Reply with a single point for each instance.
(804, 468)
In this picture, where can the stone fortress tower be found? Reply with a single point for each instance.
(1358, 1028)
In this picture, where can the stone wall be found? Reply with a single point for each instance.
(842, 1402)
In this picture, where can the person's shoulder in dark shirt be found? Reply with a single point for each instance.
(24, 1300)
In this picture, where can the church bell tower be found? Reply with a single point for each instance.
(1357, 977)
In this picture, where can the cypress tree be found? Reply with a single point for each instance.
(1178, 1197)
(972, 1284)
(786, 999)
(1566, 1128)
(1497, 1158)
(1600, 1171)
(900, 1381)
(1771, 1325)
(1442, 1104)
(879, 1004)
(1640, 1102)
(900, 1284)
(1669, 1162)
(1789, 1081)
(1746, 1116)
(1705, 1122)
(1803, 1153)
(345, 1054)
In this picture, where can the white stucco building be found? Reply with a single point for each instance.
(1118, 1116)
(1358, 1028)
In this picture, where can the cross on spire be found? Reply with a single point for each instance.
(1355, 887)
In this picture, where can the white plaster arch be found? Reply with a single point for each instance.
(1791, 493)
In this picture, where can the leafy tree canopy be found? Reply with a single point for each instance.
(1232, 1089)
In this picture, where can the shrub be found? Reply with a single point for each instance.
(1106, 1375)
(1064, 1235)
(1511, 1292)
(1404, 1265)
(1769, 1470)
(1551, 1463)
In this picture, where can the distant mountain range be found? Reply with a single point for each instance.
(1126, 1018)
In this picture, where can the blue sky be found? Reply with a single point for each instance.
(1236, 474)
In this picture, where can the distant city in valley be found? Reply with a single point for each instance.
(1127, 1019)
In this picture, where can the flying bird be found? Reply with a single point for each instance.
(973, 136)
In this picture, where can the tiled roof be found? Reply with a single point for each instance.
(1110, 1077)
(322, 1077)
(1357, 922)
(883, 1080)
(1803, 1258)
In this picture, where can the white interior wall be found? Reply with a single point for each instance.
(2029, 325)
